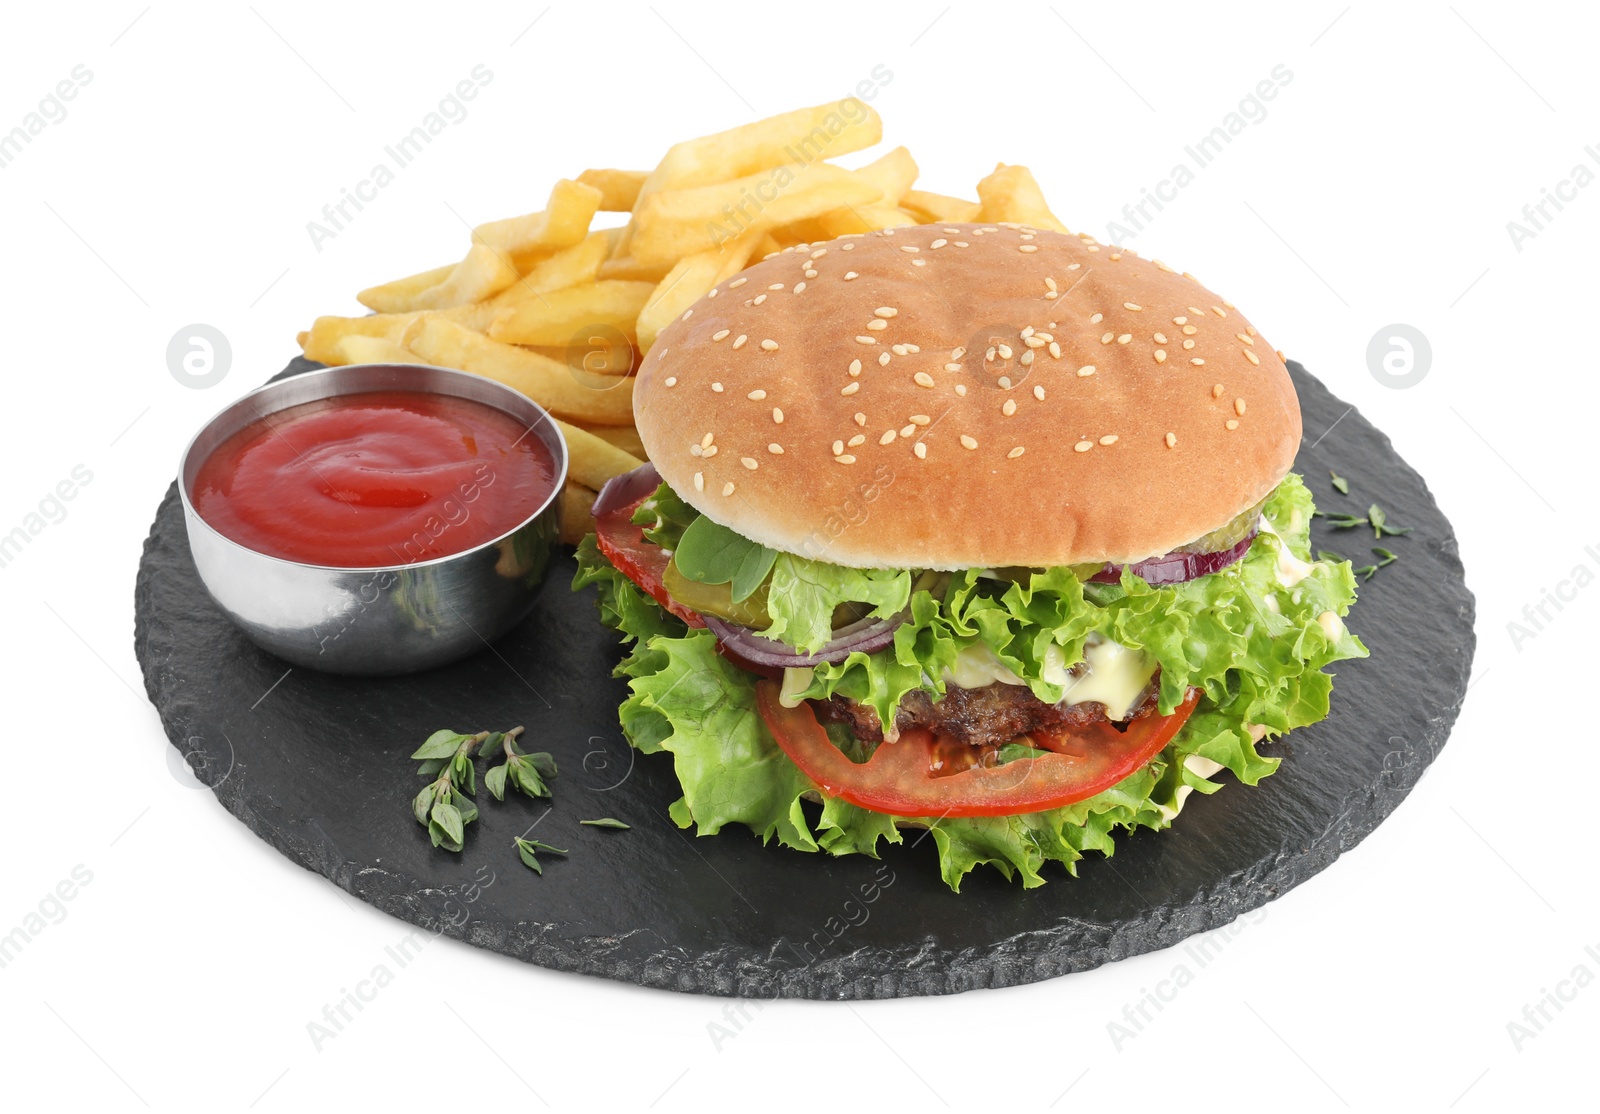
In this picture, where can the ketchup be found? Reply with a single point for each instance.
(378, 478)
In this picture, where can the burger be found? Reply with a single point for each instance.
(981, 529)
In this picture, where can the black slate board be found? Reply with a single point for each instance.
(317, 767)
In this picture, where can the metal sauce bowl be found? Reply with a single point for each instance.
(385, 619)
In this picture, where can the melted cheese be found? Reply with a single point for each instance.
(977, 666)
(1115, 677)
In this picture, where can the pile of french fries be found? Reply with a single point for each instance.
(562, 311)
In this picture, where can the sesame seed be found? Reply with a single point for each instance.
(849, 388)
(769, 345)
(736, 283)
(910, 247)
(720, 334)
(957, 353)
(1246, 338)
(951, 231)
(1009, 408)
(699, 481)
(877, 324)
(1280, 355)
(1232, 423)
(1027, 358)
(1055, 350)
(799, 286)
(1124, 338)
(1216, 392)
(1116, 255)
(1014, 453)
(1097, 318)
(1251, 356)
(776, 286)
(1131, 305)
(1188, 344)
(1160, 338)
(727, 488)
(866, 340)
(961, 243)
(695, 449)
(938, 243)
(961, 389)
(861, 419)
(838, 448)
(1197, 361)
(922, 379)
(777, 415)
(1050, 283)
(1180, 320)
(989, 355)
(885, 311)
(1172, 440)
(1028, 247)
(1219, 311)
(1085, 371)
(1251, 329)
(883, 359)
(848, 275)
(1004, 350)
(688, 313)
(845, 459)
(1161, 355)
(1005, 382)
(908, 429)
(1050, 294)
(750, 462)
(1238, 407)
(1034, 341)
(968, 442)
(775, 449)
(756, 396)
(1108, 338)
(1109, 439)
(738, 341)
(952, 367)
(717, 387)
(705, 442)
(672, 380)
(921, 450)
(1038, 393)
(810, 273)
(1192, 309)
(887, 438)
(1083, 446)
(712, 293)
(1164, 267)
(759, 299)
(1190, 330)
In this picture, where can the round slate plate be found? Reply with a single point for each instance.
(316, 765)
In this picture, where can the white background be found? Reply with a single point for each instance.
(1377, 190)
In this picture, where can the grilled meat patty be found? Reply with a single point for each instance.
(987, 716)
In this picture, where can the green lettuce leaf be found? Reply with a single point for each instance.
(1260, 663)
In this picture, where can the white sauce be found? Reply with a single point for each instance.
(1291, 570)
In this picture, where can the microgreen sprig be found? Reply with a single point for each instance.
(527, 851)
(524, 772)
(442, 806)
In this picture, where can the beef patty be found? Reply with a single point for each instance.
(987, 716)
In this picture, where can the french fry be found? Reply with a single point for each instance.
(938, 208)
(577, 512)
(799, 137)
(689, 281)
(554, 319)
(483, 272)
(573, 266)
(357, 349)
(624, 437)
(322, 339)
(593, 460)
(1012, 194)
(398, 296)
(563, 222)
(893, 173)
(855, 221)
(676, 223)
(552, 384)
(619, 189)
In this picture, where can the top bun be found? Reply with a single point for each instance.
(958, 396)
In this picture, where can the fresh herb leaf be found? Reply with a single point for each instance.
(423, 802)
(608, 822)
(441, 744)
(527, 851)
(1380, 524)
(445, 826)
(1329, 555)
(1388, 558)
(710, 553)
(1340, 484)
(526, 772)
(1342, 521)
(495, 782)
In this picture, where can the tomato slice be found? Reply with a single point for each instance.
(642, 562)
(902, 779)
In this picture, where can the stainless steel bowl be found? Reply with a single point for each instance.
(385, 619)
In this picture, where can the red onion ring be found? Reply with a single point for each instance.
(627, 488)
(866, 635)
(1176, 568)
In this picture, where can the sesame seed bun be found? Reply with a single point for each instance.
(866, 402)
